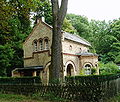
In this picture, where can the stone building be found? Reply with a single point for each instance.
(37, 54)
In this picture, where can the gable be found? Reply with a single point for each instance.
(41, 25)
(40, 31)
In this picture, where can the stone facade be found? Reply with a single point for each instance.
(37, 53)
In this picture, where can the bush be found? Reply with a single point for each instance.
(109, 68)
(93, 71)
(20, 80)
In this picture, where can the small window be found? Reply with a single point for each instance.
(80, 50)
(87, 69)
(46, 44)
(70, 47)
(35, 45)
(40, 45)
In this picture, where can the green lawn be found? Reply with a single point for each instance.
(17, 98)
(115, 99)
(21, 98)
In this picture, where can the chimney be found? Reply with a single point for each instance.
(43, 19)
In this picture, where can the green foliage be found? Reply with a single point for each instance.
(115, 28)
(108, 68)
(94, 88)
(20, 80)
(49, 96)
(14, 28)
(81, 24)
(93, 71)
(116, 98)
(43, 9)
(67, 26)
(6, 55)
(14, 98)
(117, 60)
(91, 79)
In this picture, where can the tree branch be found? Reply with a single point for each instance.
(55, 7)
(62, 11)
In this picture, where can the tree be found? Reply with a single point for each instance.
(43, 9)
(115, 28)
(6, 55)
(108, 68)
(14, 27)
(58, 14)
(81, 24)
(67, 26)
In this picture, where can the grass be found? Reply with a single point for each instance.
(18, 98)
(33, 98)
(36, 98)
(115, 99)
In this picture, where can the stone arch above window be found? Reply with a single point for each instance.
(35, 45)
(40, 44)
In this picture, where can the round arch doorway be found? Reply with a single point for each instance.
(70, 70)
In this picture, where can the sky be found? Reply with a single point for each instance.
(95, 9)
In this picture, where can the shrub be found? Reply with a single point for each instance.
(93, 71)
(109, 68)
(20, 80)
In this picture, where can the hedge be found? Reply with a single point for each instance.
(95, 88)
(91, 79)
(20, 80)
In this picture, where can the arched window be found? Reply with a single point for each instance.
(46, 44)
(40, 44)
(35, 45)
(87, 69)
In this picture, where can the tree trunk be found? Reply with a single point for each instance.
(56, 58)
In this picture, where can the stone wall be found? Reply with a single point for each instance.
(73, 47)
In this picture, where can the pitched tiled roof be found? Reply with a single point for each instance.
(76, 38)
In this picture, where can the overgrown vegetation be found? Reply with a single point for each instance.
(109, 68)
(19, 98)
